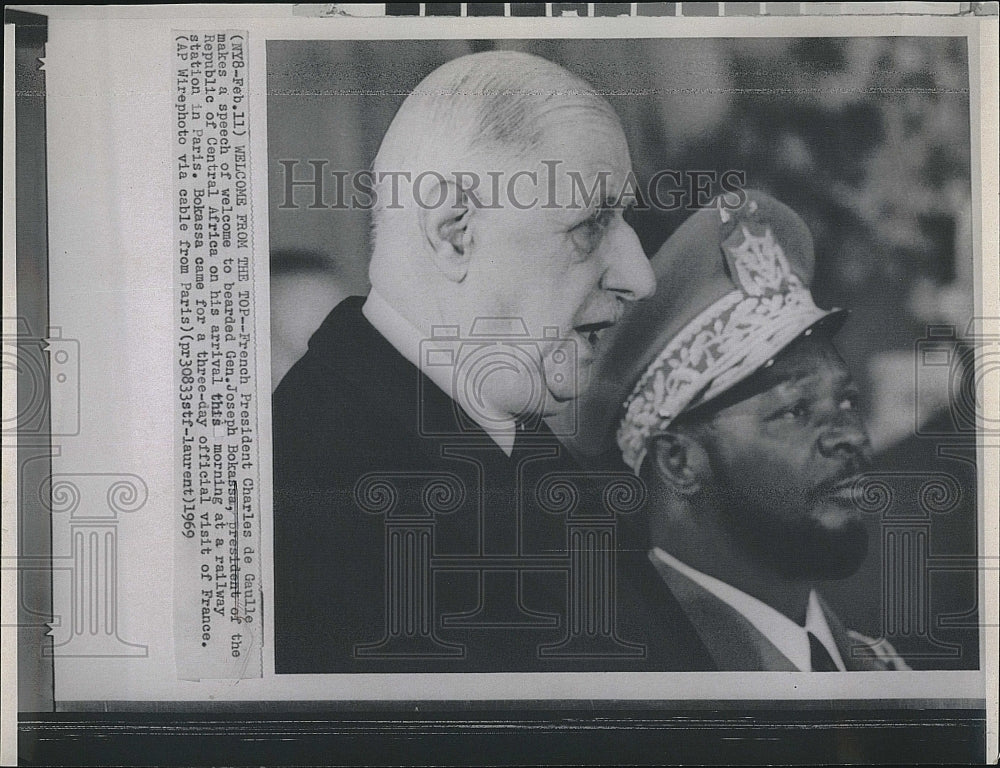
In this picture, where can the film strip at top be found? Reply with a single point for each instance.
(610, 10)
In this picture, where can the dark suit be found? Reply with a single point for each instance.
(374, 463)
(734, 644)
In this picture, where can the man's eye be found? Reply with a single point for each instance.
(797, 411)
(587, 234)
(850, 402)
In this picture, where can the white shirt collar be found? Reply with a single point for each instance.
(409, 341)
(786, 635)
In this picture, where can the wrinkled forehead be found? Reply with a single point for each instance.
(806, 360)
(584, 130)
(583, 158)
(807, 356)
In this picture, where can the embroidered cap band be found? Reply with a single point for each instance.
(732, 292)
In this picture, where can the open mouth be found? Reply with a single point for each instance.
(592, 331)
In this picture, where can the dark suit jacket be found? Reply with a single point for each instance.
(374, 463)
(734, 644)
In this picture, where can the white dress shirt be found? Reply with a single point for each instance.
(409, 341)
(787, 636)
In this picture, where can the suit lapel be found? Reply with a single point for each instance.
(733, 642)
(856, 656)
(651, 615)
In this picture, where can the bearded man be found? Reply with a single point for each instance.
(726, 395)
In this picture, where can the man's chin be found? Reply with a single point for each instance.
(836, 512)
(833, 546)
(562, 391)
(835, 552)
(557, 405)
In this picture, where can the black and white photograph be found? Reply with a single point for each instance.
(613, 355)
(500, 384)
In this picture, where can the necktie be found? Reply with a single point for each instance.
(819, 657)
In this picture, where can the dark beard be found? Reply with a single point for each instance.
(801, 548)
(808, 551)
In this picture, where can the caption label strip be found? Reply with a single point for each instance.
(217, 568)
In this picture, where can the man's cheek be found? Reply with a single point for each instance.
(777, 485)
(755, 462)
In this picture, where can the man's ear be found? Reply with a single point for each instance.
(444, 213)
(680, 461)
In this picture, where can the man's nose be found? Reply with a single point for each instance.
(845, 438)
(628, 272)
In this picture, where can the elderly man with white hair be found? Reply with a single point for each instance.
(500, 253)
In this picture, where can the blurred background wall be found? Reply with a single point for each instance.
(867, 138)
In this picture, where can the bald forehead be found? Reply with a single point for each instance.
(504, 101)
(534, 118)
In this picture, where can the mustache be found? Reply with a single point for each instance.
(848, 475)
